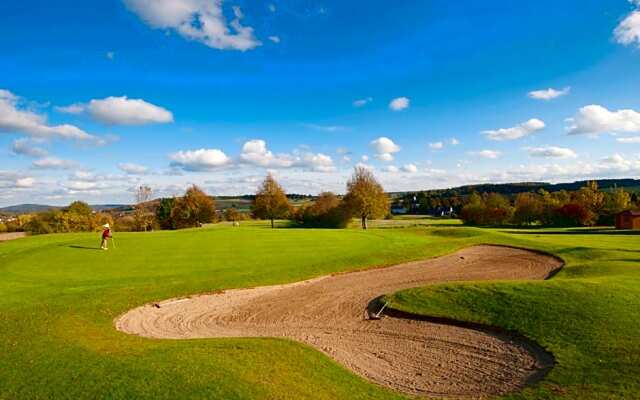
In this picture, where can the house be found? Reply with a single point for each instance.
(628, 220)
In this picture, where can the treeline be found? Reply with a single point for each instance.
(587, 206)
(77, 217)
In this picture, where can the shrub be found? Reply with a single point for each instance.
(574, 214)
(328, 211)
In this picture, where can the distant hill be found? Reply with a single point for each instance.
(33, 208)
(631, 185)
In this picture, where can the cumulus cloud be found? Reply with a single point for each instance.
(454, 142)
(399, 103)
(274, 39)
(199, 20)
(384, 148)
(629, 140)
(255, 152)
(490, 154)
(133, 169)
(53, 163)
(628, 31)
(121, 111)
(25, 147)
(410, 168)
(316, 162)
(595, 119)
(436, 146)
(362, 102)
(519, 131)
(23, 183)
(391, 169)
(549, 94)
(80, 186)
(14, 119)
(551, 152)
(199, 160)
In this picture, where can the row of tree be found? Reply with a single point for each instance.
(585, 207)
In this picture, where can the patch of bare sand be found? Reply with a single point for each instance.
(11, 236)
(330, 313)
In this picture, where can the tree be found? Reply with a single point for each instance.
(590, 197)
(231, 214)
(79, 208)
(328, 211)
(271, 201)
(193, 209)
(142, 216)
(365, 196)
(528, 209)
(617, 201)
(163, 213)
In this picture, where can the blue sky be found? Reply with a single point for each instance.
(97, 98)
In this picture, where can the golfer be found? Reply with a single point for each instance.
(106, 235)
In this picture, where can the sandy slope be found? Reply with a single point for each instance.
(330, 314)
(11, 236)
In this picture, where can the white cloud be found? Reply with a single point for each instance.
(364, 158)
(410, 168)
(549, 94)
(125, 111)
(110, 55)
(595, 119)
(454, 142)
(272, 7)
(53, 163)
(26, 148)
(316, 162)
(436, 146)
(391, 168)
(199, 160)
(81, 186)
(199, 20)
(386, 157)
(255, 152)
(16, 120)
(519, 131)
(399, 103)
(491, 154)
(24, 183)
(384, 147)
(327, 128)
(362, 102)
(76, 108)
(133, 169)
(628, 31)
(629, 140)
(274, 39)
(551, 152)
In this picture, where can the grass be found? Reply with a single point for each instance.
(59, 296)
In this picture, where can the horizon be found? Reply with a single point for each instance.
(218, 94)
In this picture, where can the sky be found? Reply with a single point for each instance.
(98, 98)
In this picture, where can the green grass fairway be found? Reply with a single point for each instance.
(59, 295)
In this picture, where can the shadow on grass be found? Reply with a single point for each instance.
(73, 246)
(579, 231)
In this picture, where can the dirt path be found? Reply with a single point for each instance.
(330, 314)
(11, 236)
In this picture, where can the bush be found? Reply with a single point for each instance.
(328, 211)
(3, 228)
(193, 210)
(574, 214)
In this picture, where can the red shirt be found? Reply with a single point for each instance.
(106, 234)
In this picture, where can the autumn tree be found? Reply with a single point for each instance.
(142, 216)
(193, 209)
(271, 201)
(327, 211)
(528, 209)
(365, 197)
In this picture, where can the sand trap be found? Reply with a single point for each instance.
(11, 236)
(330, 313)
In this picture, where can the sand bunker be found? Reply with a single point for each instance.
(11, 236)
(331, 314)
